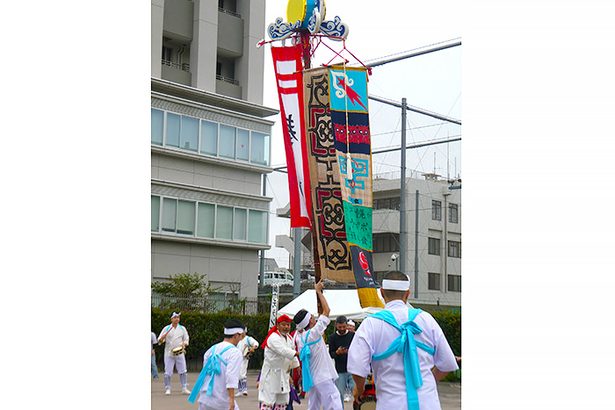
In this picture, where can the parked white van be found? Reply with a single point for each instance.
(280, 278)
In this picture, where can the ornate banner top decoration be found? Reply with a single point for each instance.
(307, 15)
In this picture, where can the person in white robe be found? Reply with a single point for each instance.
(174, 336)
(219, 378)
(247, 346)
(317, 369)
(406, 368)
(279, 358)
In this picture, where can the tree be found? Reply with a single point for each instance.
(185, 291)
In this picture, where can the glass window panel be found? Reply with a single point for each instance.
(259, 150)
(205, 226)
(185, 217)
(157, 126)
(240, 225)
(243, 144)
(227, 141)
(209, 138)
(436, 210)
(189, 136)
(169, 213)
(453, 216)
(155, 211)
(224, 222)
(434, 281)
(257, 230)
(173, 127)
(395, 203)
(434, 246)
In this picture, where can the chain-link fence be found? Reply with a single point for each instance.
(213, 302)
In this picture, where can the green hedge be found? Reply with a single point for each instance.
(206, 329)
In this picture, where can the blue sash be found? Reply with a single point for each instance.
(406, 345)
(211, 368)
(304, 356)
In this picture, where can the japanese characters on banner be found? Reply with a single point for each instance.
(350, 122)
(288, 66)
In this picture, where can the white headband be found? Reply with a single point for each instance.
(175, 315)
(232, 331)
(390, 284)
(350, 322)
(304, 322)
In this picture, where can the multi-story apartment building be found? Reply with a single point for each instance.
(438, 232)
(210, 142)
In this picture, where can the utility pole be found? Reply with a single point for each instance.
(261, 283)
(403, 240)
(416, 246)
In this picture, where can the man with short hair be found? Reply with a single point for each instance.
(219, 378)
(175, 336)
(339, 342)
(406, 349)
(318, 372)
(280, 356)
(247, 345)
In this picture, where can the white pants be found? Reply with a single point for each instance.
(174, 361)
(324, 395)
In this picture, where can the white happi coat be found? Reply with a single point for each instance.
(374, 336)
(174, 338)
(279, 358)
(321, 365)
(244, 345)
(227, 379)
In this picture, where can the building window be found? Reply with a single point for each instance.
(434, 246)
(169, 214)
(155, 213)
(206, 219)
(227, 141)
(224, 222)
(436, 210)
(387, 203)
(453, 213)
(259, 148)
(243, 144)
(454, 283)
(209, 138)
(185, 217)
(173, 129)
(240, 224)
(257, 226)
(454, 249)
(385, 242)
(189, 133)
(433, 281)
(157, 126)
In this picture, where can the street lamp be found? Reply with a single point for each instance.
(395, 258)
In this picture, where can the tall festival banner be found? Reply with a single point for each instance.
(288, 66)
(352, 141)
(329, 229)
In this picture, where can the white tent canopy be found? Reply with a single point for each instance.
(343, 302)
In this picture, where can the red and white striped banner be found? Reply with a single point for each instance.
(288, 65)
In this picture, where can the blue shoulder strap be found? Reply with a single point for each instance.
(211, 368)
(406, 345)
(304, 356)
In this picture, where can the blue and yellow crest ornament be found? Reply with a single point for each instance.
(307, 16)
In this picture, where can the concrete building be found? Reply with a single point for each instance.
(438, 232)
(210, 142)
(439, 236)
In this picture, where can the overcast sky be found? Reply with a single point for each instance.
(432, 81)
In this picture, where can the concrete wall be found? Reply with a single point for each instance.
(218, 263)
(178, 16)
(249, 69)
(156, 33)
(202, 49)
(230, 35)
(175, 74)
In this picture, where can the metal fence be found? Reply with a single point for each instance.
(210, 303)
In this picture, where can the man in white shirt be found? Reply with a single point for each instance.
(318, 372)
(174, 336)
(219, 378)
(247, 345)
(280, 356)
(406, 349)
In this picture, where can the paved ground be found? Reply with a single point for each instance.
(450, 395)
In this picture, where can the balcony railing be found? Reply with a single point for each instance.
(227, 79)
(182, 66)
(232, 13)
